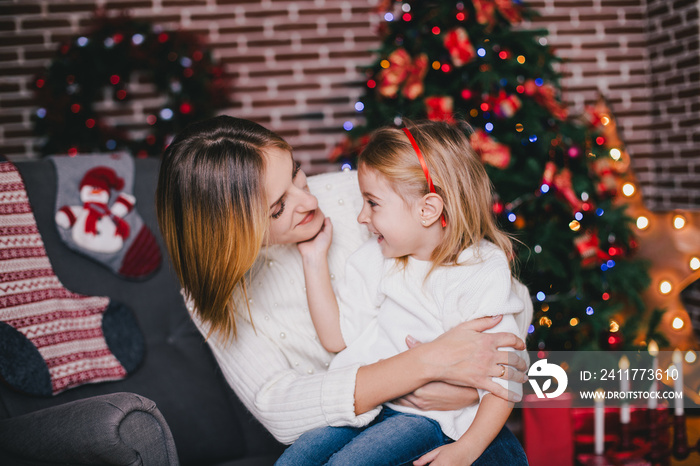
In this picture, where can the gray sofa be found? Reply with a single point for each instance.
(176, 408)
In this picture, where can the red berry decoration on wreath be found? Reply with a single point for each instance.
(118, 55)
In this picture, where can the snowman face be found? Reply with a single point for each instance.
(94, 194)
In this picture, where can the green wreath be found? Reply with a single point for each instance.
(177, 63)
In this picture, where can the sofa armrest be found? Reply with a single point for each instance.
(117, 429)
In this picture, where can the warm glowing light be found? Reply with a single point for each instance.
(677, 357)
(615, 154)
(624, 363)
(665, 287)
(575, 225)
(628, 189)
(653, 348)
(436, 65)
(678, 323)
(519, 127)
(545, 321)
(614, 326)
(385, 64)
(694, 263)
(573, 322)
(521, 59)
(642, 222)
(690, 357)
(605, 120)
(545, 307)
(678, 222)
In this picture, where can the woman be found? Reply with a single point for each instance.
(232, 205)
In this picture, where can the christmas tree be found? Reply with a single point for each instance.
(553, 174)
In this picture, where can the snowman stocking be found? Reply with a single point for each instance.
(96, 217)
(52, 339)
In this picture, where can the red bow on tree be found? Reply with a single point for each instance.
(440, 108)
(486, 11)
(588, 246)
(561, 181)
(504, 105)
(490, 151)
(545, 95)
(460, 47)
(403, 70)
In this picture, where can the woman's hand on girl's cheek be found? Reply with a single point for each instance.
(317, 247)
(439, 396)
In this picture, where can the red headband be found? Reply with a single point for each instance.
(425, 168)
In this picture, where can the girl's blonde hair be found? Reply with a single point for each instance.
(457, 173)
(213, 213)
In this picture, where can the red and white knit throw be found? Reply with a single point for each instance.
(65, 327)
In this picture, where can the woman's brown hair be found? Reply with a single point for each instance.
(457, 173)
(213, 214)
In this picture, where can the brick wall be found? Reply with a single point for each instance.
(293, 68)
(674, 65)
(292, 64)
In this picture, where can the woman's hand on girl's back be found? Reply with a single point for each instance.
(466, 356)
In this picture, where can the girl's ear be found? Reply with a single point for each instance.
(430, 209)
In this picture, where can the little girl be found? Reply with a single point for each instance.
(437, 259)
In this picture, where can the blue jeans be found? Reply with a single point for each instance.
(393, 438)
(505, 449)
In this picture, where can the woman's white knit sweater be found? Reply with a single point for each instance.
(276, 365)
